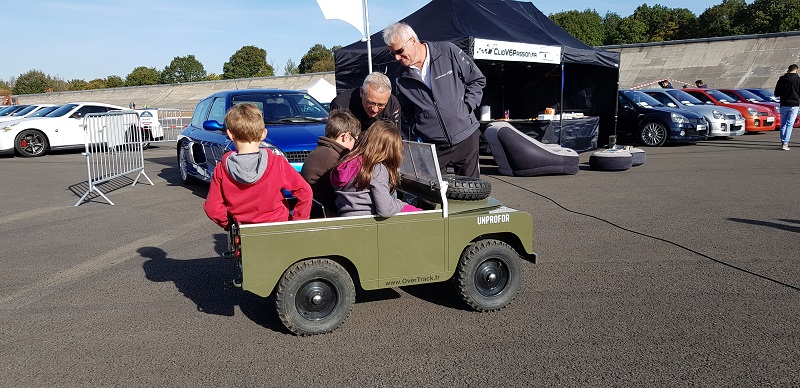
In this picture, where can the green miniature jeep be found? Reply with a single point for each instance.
(310, 265)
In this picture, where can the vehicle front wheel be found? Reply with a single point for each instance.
(31, 142)
(183, 166)
(654, 134)
(314, 296)
(488, 275)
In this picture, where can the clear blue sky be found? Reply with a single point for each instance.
(88, 39)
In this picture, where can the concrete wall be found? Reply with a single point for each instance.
(181, 96)
(726, 62)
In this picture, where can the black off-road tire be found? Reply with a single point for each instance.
(314, 296)
(466, 188)
(488, 275)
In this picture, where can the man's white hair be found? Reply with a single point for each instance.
(399, 32)
(378, 81)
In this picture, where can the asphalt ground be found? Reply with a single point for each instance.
(679, 272)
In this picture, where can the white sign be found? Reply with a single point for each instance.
(517, 52)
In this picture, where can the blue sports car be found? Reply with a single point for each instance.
(294, 121)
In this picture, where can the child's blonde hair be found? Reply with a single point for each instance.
(245, 121)
(379, 144)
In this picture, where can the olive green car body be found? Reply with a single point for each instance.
(405, 249)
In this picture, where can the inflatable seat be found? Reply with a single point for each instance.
(611, 160)
(518, 154)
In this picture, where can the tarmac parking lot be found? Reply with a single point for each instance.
(684, 271)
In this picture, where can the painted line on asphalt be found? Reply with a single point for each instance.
(31, 213)
(41, 289)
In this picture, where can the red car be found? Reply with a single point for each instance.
(748, 96)
(757, 118)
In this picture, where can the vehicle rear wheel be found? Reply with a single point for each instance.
(314, 296)
(488, 275)
(466, 188)
(31, 142)
(653, 134)
(183, 166)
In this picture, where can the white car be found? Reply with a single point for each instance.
(723, 122)
(28, 111)
(59, 129)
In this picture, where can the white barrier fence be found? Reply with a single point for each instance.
(114, 148)
(162, 125)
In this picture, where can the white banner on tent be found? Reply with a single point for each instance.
(517, 52)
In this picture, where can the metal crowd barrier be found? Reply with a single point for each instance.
(162, 125)
(114, 148)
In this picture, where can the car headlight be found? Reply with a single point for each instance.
(717, 114)
(275, 150)
(752, 112)
(679, 118)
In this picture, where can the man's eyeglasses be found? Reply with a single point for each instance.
(402, 49)
(375, 104)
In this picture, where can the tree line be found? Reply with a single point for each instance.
(247, 62)
(659, 23)
(647, 24)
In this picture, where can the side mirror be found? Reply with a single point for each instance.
(212, 125)
(626, 107)
(77, 115)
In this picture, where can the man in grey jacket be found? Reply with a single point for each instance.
(439, 87)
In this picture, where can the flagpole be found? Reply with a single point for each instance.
(369, 39)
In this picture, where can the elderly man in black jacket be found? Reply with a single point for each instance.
(439, 88)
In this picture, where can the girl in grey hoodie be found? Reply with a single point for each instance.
(366, 179)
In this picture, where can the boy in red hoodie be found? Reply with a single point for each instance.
(247, 182)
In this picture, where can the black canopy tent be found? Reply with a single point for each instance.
(524, 82)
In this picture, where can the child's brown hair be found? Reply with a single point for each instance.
(379, 144)
(341, 122)
(245, 122)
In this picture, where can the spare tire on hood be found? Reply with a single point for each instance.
(466, 188)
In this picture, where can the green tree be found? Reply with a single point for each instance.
(97, 83)
(114, 81)
(143, 75)
(5, 88)
(316, 54)
(213, 77)
(183, 69)
(773, 16)
(666, 23)
(587, 25)
(32, 82)
(619, 30)
(247, 62)
(77, 84)
(290, 68)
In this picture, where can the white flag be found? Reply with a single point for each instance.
(349, 11)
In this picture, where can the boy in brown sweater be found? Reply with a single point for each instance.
(341, 133)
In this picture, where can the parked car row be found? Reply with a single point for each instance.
(657, 116)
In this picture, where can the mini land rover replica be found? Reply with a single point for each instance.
(462, 234)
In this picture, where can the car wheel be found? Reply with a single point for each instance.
(466, 188)
(653, 134)
(488, 275)
(31, 142)
(314, 296)
(183, 166)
